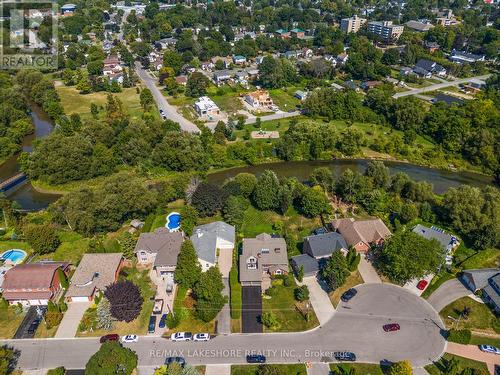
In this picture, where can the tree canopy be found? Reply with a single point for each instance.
(112, 358)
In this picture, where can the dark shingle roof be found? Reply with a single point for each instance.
(325, 244)
(310, 265)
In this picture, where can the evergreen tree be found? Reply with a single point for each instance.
(188, 269)
(267, 191)
(335, 271)
(104, 318)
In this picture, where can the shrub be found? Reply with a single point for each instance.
(288, 280)
(53, 318)
(301, 293)
(57, 371)
(235, 293)
(462, 336)
(269, 320)
(173, 320)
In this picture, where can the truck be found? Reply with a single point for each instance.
(158, 307)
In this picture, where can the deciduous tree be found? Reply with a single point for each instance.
(125, 299)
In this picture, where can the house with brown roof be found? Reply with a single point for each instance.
(259, 99)
(33, 284)
(94, 273)
(160, 250)
(362, 234)
(262, 257)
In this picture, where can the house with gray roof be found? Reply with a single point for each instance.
(262, 257)
(324, 245)
(309, 265)
(211, 239)
(491, 293)
(159, 249)
(488, 281)
(448, 241)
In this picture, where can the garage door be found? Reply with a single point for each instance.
(79, 299)
(251, 309)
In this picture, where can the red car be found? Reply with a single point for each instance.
(422, 284)
(110, 337)
(391, 327)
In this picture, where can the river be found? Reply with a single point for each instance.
(440, 179)
(26, 196)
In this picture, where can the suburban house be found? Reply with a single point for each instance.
(324, 245)
(210, 240)
(448, 99)
(112, 69)
(94, 273)
(446, 18)
(239, 60)
(261, 258)
(367, 85)
(206, 108)
(301, 95)
(426, 68)
(221, 76)
(461, 57)
(159, 249)
(431, 46)
(33, 284)
(309, 265)
(342, 58)
(259, 99)
(298, 33)
(283, 34)
(165, 43)
(181, 80)
(362, 234)
(448, 241)
(487, 280)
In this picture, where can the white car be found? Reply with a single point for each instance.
(181, 336)
(489, 349)
(130, 338)
(201, 337)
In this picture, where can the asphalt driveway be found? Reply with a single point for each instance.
(251, 309)
(22, 330)
(447, 293)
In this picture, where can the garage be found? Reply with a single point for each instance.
(80, 299)
(251, 309)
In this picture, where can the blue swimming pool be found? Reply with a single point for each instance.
(173, 221)
(14, 255)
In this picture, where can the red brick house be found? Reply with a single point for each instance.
(361, 234)
(33, 284)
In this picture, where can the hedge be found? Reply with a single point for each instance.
(462, 336)
(235, 293)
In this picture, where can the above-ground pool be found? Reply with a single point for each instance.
(13, 256)
(173, 221)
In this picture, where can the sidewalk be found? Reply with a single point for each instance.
(218, 370)
(318, 369)
(367, 272)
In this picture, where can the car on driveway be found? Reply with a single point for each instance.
(422, 284)
(201, 337)
(180, 360)
(489, 349)
(345, 356)
(33, 326)
(391, 327)
(347, 296)
(256, 358)
(181, 336)
(109, 337)
(152, 324)
(130, 338)
(163, 321)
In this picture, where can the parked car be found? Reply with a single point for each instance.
(345, 356)
(422, 284)
(33, 326)
(130, 338)
(181, 336)
(158, 306)
(109, 337)
(256, 358)
(161, 111)
(391, 327)
(489, 349)
(348, 295)
(201, 337)
(152, 324)
(180, 360)
(163, 321)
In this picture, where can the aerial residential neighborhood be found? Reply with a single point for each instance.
(250, 188)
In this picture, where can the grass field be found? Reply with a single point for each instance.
(438, 368)
(74, 102)
(359, 368)
(284, 99)
(480, 317)
(10, 318)
(353, 280)
(253, 369)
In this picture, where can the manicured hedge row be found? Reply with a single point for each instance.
(235, 293)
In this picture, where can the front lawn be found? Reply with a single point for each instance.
(436, 282)
(253, 369)
(353, 280)
(10, 319)
(439, 367)
(480, 317)
(290, 314)
(284, 99)
(359, 368)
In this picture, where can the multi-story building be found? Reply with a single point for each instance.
(352, 25)
(385, 30)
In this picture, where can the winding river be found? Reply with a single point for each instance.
(30, 199)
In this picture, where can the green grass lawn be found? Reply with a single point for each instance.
(9, 245)
(480, 317)
(284, 99)
(489, 258)
(285, 307)
(10, 318)
(353, 280)
(184, 305)
(253, 369)
(485, 340)
(359, 368)
(74, 102)
(438, 367)
(436, 282)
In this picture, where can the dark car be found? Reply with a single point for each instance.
(152, 324)
(109, 337)
(391, 327)
(180, 360)
(347, 296)
(345, 356)
(256, 358)
(33, 326)
(163, 321)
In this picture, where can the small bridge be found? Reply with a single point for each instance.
(13, 182)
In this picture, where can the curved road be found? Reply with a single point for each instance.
(356, 326)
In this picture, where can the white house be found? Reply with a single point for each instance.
(210, 240)
(206, 108)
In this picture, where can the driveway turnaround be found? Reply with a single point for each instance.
(367, 272)
(447, 293)
(251, 309)
(320, 300)
(71, 320)
(356, 326)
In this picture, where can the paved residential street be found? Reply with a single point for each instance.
(448, 292)
(438, 86)
(161, 102)
(367, 271)
(71, 319)
(356, 326)
(275, 116)
(319, 300)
